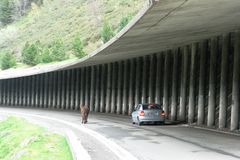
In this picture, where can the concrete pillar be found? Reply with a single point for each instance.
(174, 86)
(59, 89)
(235, 88)
(212, 83)
(191, 107)
(144, 80)
(10, 92)
(87, 85)
(27, 90)
(63, 95)
(13, 84)
(223, 83)
(119, 93)
(29, 94)
(4, 92)
(201, 89)
(109, 87)
(77, 90)
(67, 84)
(158, 79)
(166, 83)
(54, 89)
(131, 86)
(151, 79)
(37, 91)
(23, 92)
(125, 88)
(82, 86)
(97, 97)
(26, 86)
(1, 92)
(138, 81)
(73, 84)
(20, 89)
(42, 91)
(17, 93)
(45, 90)
(183, 96)
(92, 90)
(103, 88)
(38, 94)
(114, 88)
(7, 92)
(33, 91)
(50, 89)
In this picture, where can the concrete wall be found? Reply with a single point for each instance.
(197, 83)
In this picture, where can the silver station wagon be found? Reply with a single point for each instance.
(148, 113)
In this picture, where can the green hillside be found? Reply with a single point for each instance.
(64, 20)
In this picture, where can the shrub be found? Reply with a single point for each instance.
(106, 32)
(58, 50)
(46, 55)
(124, 21)
(78, 47)
(31, 52)
(8, 60)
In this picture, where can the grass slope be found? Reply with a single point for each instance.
(21, 140)
(64, 19)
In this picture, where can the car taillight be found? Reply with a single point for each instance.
(141, 113)
(162, 113)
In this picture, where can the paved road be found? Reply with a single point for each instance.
(149, 142)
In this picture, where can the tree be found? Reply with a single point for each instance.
(107, 32)
(46, 55)
(58, 50)
(31, 52)
(6, 11)
(124, 21)
(8, 60)
(78, 47)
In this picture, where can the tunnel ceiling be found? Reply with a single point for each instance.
(159, 26)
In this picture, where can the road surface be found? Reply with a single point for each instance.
(114, 137)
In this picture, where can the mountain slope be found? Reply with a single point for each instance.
(64, 19)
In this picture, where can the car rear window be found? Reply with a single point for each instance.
(151, 106)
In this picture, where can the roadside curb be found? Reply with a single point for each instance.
(78, 151)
